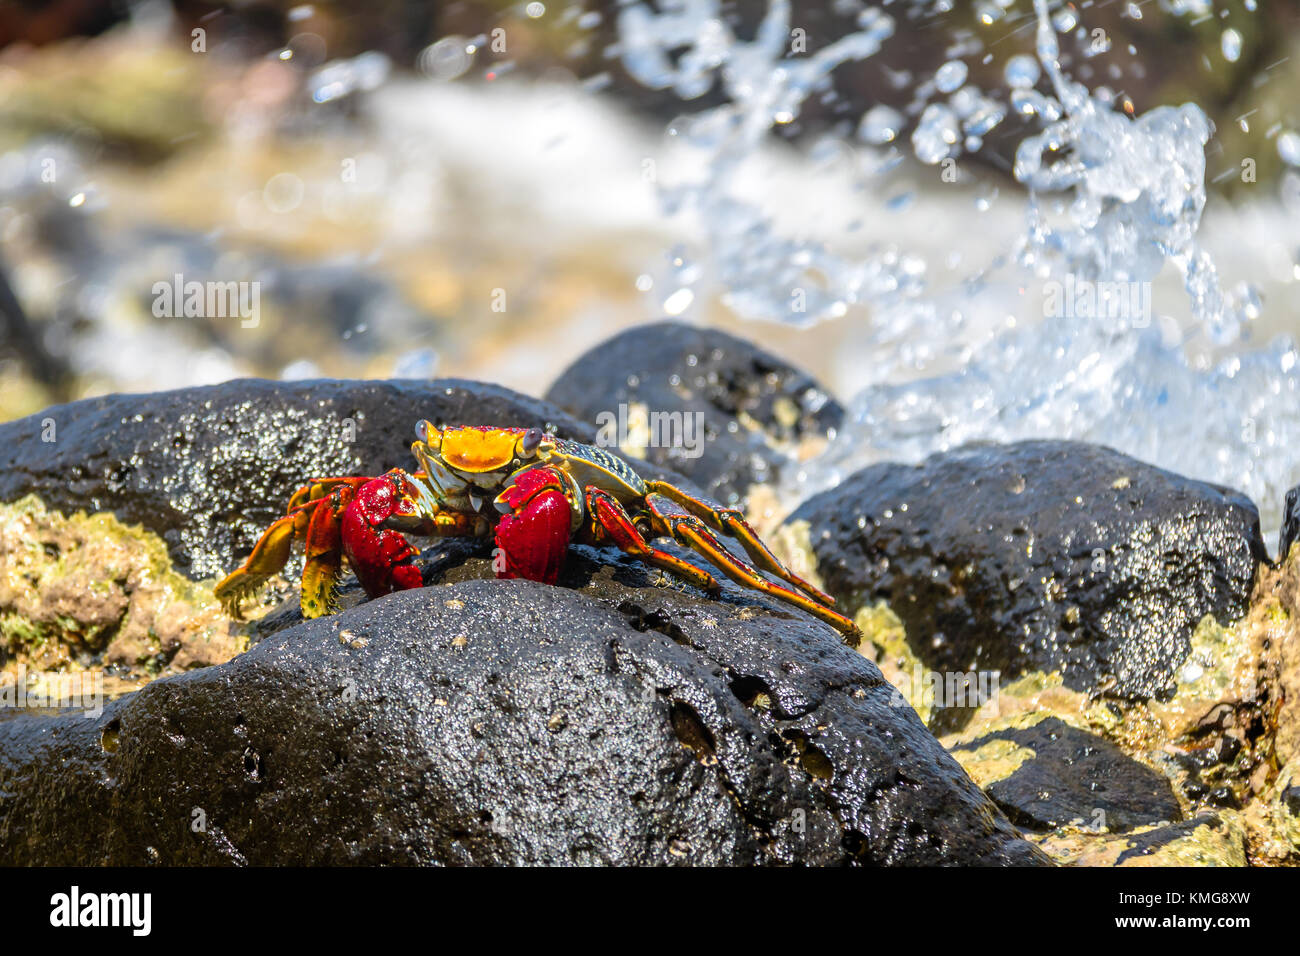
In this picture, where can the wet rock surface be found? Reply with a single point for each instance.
(209, 468)
(1283, 603)
(1159, 841)
(758, 413)
(1290, 524)
(1207, 839)
(506, 722)
(1040, 556)
(1063, 775)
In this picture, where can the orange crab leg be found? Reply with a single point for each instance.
(731, 522)
(270, 554)
(274, 547)
(324, 553)
(614, 521)
(690, 530)
(317, 488)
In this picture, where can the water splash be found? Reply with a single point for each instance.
(1113, 202)
(1138, 191)
(763, 273)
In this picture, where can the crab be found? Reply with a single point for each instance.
(535, 494)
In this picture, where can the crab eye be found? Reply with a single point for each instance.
(427, 433)
(528, 444)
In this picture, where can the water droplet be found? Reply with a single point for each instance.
(445, 60)
(1288, 147)
(417, 363)
(951, 76)
(679, 302)
(343, 77)
(1022, 72)
(1230, 44)
(1065, 21)
(880, 125)
(301, 369)
(936, 134)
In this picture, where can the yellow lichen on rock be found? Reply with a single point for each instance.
(992, 761)
(1223, 668)
(86, 591)
(144, 97)
(790, 542)
(884, 643)
(1040, 694)
(765, 511)
(1281, 595)
(1218, 840)
(1274, 819)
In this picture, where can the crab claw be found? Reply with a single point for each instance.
(381, 558)
(533, 535)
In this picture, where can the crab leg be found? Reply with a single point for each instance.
(270, 554)
(690, 531)
(317, 488)
(731, 522)
(613, 519)
(324, 553)
(275, 546)
(337, 517)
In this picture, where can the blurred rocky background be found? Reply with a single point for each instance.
(354, 162)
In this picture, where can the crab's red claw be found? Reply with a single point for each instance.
(381, 558)
(533, 536)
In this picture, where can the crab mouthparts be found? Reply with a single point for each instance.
(426, 505)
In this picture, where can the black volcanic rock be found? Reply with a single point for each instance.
(506, 722)
(1290, 524)
(755, 408)
(1040, 556)
(1077, 777)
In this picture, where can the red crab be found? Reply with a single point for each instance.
(546, 493)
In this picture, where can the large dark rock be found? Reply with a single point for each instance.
(208, 468)
(1041, 556)
(1290, 524)
(506, 722)
(755, 408)
(1076, 777)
